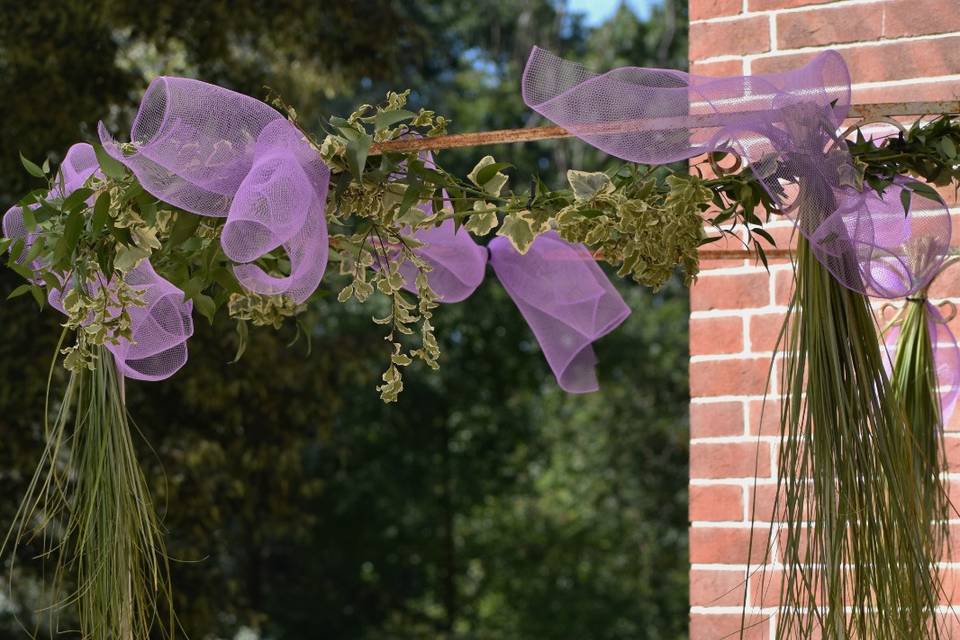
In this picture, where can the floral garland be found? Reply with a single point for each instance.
(222, 203)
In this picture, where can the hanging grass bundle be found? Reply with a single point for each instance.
(88, 509)
(916, 384)
(859, 471)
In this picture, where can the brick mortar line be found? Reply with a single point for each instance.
(746, 13)
(735, 313)
(839, 46)
(726, 398)
(729, 357)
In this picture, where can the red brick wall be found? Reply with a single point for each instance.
(897, 50)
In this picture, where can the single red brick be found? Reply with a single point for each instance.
(718, 68)
(717, 588)
(764, 331)
(829, 25)
(716, 502)
(711, 336)
(730, 460)
(728, 545)
(711, 626)
(741, 376)
(765, 417)
(951, 447)
(765, 587)
(746, 35)
(919, 17)
(946, 285)
(922, 91)
(953, 424)
(766, 5)
(739, 291)
(782, 287)
(760, 502)
(726, 243)
(704, 9)
(716, 419)
(897, 60)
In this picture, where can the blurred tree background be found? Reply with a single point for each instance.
(486, 503)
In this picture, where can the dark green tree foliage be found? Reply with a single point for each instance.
(486, 503)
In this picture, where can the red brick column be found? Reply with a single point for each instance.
(897, 50)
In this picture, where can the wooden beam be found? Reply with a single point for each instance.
(530, 134)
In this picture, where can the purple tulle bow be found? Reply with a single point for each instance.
(218, 153)
(563, 295)
(160, 326)
(785, 126)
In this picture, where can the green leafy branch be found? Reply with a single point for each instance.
(647, 222)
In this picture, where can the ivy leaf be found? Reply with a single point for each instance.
(101, 214)
(242, 333)
(587, 186)
(924, 190)
(491, 183)
(949, 147)
(71, 235)
(205, 306)
(29, 218)
(38, 295)
(32, 168)
(358, 148)
(482, 222)
(76, 199)
(19, 291)
(183, 228)
(110, 166)
(128, 257)
(487, 174)
(386, 119)
(518, 229)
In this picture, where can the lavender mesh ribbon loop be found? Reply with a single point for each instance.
(458, 263)
(785, 126)
(78, 165)
(161, 326)
(946, 356)
(218, 153)
(563, 295)
(566, 299)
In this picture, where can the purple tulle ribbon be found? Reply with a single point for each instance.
(563, 295)
(565, 298)
(219, 153)
(785, 126)
(159, 327)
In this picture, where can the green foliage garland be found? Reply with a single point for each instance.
(646, 222)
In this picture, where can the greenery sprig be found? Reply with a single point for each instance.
(647, 222)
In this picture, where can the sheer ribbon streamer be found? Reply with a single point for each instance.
(566, 299)
(563, 295)
(218, 153)
(785, 126)
(160, 327)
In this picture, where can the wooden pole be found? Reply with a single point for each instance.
(531, 134)
(871, 111)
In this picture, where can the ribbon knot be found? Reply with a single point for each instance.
(785, 126)
(218, 153)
